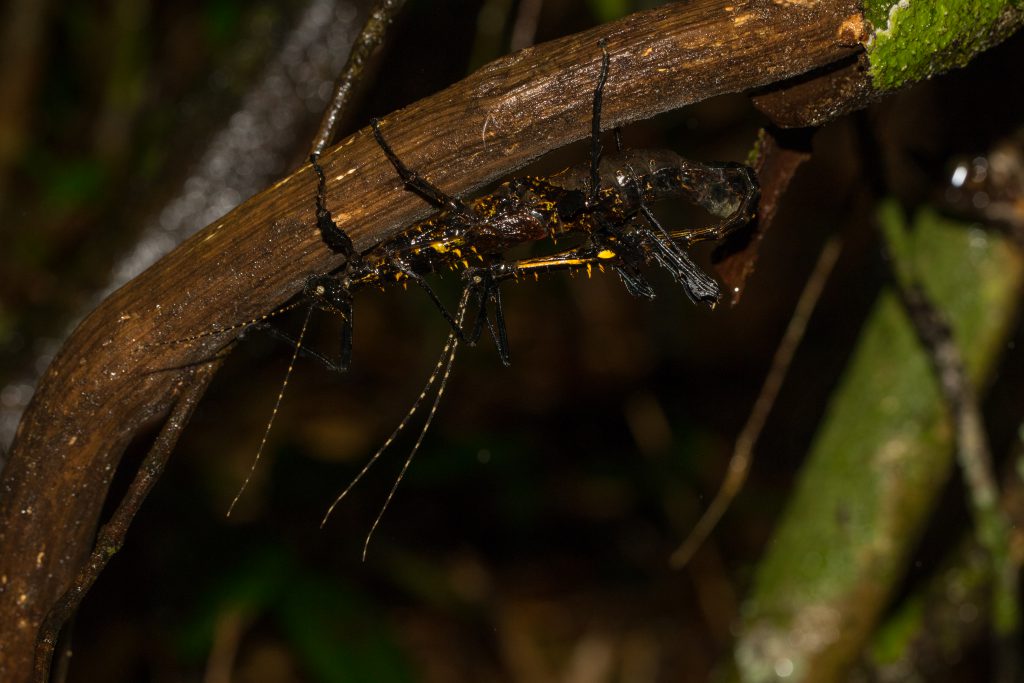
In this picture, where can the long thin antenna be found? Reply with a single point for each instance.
(394, 435)
(277, 406)
(453, 343)
(222, 330)
(443, 367)
(743, 451)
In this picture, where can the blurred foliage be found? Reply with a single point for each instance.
(128, 93)
(882, 456)
(530, 539)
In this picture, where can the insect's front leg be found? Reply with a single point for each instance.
(482, 285)
(332, 293)
(304, 350)
(595, 127)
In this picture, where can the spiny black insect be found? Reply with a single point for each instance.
(603, 204)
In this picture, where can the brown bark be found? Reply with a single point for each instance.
(113, 379)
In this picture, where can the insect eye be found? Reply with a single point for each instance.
(321, 290)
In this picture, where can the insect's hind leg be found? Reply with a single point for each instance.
(333, 236)
(595, 126)
(414, 181)
(636, 284)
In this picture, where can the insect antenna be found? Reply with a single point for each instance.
(222, 330)
(273, 414)
(441, 371)
(450, 348)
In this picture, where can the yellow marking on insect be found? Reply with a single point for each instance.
(439, 247)
(457, 252)
(588, 270)
(606, 254)
(465, 263)
(398, 277)
(600, 266)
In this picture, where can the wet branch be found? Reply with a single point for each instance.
(111, 535)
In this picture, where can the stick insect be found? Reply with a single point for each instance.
(605, 204)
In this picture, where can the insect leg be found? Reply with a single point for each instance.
(482, 283)
(333, 236)
(331, 293)
(699, 286)
(501, 338)
(595, 126)
(345, 352)
(636, 284)
(415, 182)
(425, 286)
(729, 191)
(330, 363)
(584, 259)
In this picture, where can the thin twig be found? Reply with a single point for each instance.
(524, 28)
(372, 35)
(743, 452)
(992, 526)
(111, 535)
